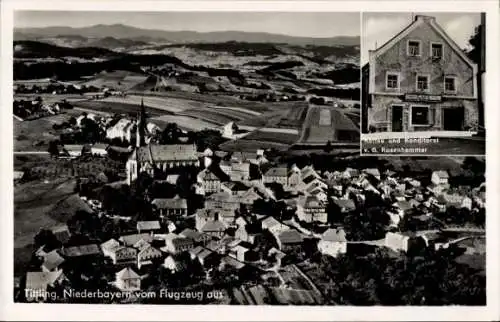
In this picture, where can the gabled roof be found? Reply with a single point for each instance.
(441, 174)
(419, 20)
(290, 236)
(345, 203)
(270, 222)
(280, 171)
(83, 250)
(334, 235)
(52, 260)
(130, 240)
(40, 280)
(170, 203)
(214, 225)
(127, 273)
(167, 152)
(148, 225)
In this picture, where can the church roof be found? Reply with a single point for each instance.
(167, 152)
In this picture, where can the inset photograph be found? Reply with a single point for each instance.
(422, 83)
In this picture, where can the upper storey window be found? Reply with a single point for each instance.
(414, 48)
(436, 51)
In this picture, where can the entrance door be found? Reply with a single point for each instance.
(397, 118)
(453, 119)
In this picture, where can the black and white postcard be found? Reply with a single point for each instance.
(249, 161)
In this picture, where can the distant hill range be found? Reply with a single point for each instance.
(123, 36)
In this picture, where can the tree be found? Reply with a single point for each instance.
(171, 134)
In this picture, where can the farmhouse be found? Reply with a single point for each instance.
(209, 181)
(439, 177)
(277, 174)
(119, 254)
(421, 80)
(333, 242)
(236, 170)
(128, 280)
(123, 130)
(166, 207)
(310, 209)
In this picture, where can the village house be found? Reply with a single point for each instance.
(294, 176)
(197, 237)
(278, 174)
(310, 209)
(131, 240)
(153, 157)
(421, 80)
(257, 158)
(119, 254)
(236, 170)
(273, 225)
(73, 150)
(99, 149)
(333, 242)
(38, 283)
(62, 233)
(172, 264)
(343, 205)
(209, 181)
(147, 254)
(214, 228)
(456, 200)
(123, 130)
(170, 207)
(289, 239)
(402, 241)
(82, 251)
(373, 172)
(175, 244)
(52, 261)
(246, 232)
(242, 253)
(222, 200)
(150, 226)
(128, 280)
(205, 257)
(234, 188)
(439, 177)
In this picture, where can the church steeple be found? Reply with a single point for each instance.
(141, 126)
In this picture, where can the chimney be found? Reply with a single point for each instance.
(424, 18)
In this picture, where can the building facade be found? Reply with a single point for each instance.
(420, 80)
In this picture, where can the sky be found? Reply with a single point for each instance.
(378, 28)
(302, 24)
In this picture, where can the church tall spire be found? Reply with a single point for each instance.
(141, 126)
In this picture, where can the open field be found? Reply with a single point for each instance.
(251, 145)
(184, 122)
(291, 117)
(220, 100)
(324, 124)
(118, 80)
(35, 135)
(51, 98)
(273, 137)
(118, 108)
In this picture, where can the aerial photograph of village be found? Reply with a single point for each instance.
(214, 158)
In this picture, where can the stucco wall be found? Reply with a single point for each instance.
(395, 59)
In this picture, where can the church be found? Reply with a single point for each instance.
(150, 158)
